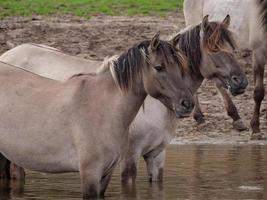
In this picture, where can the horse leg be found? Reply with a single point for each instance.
(90, 180)
(231, 110)
(4, 168)
(104, 183)
(197, 113)
(17, 172)
(129, 167)
(258, 66)
(155, 165)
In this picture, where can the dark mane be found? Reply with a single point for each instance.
(263, 13)
(189, 43)
(129, 66)
(215, 36)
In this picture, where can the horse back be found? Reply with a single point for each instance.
(48, 62)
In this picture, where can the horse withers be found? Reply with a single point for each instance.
(250, 27)
(81, 124)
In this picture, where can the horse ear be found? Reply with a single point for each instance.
(227, 20)
(205, 22)
(174, 41)
(155, 42)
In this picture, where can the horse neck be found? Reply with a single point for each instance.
(113, 106)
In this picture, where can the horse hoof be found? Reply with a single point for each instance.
(256, 136)
(199, 119)
(239, 125)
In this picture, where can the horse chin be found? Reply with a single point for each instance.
(237, 92)
(181, 115)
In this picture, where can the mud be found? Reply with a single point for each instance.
(103, 36)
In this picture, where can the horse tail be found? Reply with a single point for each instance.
(263, 13)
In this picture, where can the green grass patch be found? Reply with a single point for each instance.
(87, 8)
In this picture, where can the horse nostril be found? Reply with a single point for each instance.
(185, 104)
(235, 79)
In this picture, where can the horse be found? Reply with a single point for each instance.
(153, 127)
(63, 66)
(81, 124)
(250, 26)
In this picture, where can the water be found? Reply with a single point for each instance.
(199, 172)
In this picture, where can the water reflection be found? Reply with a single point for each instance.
(200, 172)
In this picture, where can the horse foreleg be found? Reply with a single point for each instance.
(197, 113)
(90, 181)
(129, 167)
(231, 109)
(104, 183)
(259, 91)
(155, 165)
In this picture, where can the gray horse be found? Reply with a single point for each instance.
(82, 124)
(208, 57)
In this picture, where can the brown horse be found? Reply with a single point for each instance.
(82, 124)
(250, 27)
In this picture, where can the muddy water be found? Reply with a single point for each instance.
(198, 172)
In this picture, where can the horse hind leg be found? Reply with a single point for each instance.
(258, 65)
(4, 168)
(197, 113)
(16, 172)
(155, 164)
(232, 110)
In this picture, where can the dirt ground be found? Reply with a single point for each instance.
(103, 36)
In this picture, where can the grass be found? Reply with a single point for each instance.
(87, 8)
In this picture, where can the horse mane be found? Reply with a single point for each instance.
(215, 36)
(128, 67)
(263, 13)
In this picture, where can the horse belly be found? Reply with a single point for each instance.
(239, 10)
(38, 151)
(41, 161)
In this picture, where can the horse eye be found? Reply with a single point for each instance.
(159, 68)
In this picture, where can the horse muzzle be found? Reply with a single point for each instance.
(184, 108)
(237, 86)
